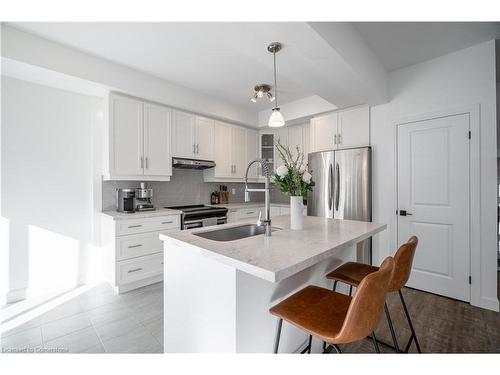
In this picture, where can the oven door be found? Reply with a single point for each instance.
(199, 223)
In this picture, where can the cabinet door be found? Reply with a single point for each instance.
(126, 136)
(323, 130)
(183, 144)
(306, 131)
(267, 150)
(252, 153)
(204, 130)
(282, 138)
(354, 127)
(157, 140)
(239, 151)
(222, 150)
(296, 138)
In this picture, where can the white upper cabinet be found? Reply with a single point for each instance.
(343, 129)
(353, 127)
(223, 140)
(193, 136)
(204, 138)
(125, 136)
(139, 140)
(239, 151)
(324, 132)
(157, 137)
(183, 145)
(252, 152)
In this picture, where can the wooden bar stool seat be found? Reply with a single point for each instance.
(352, 274)
(334, 317)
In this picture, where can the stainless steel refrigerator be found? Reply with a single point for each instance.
(343, 189)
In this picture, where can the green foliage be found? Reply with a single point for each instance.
(292, 183)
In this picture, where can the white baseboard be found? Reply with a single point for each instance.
(16, 295)
(488, 303)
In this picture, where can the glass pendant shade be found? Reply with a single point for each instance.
(276, 120)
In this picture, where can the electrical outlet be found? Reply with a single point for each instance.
(233, 191)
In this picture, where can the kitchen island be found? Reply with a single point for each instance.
(217, 293)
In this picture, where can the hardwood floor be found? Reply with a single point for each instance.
(443, 325)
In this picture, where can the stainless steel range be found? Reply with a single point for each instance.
(199, 215)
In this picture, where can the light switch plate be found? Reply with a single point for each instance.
(233, 191)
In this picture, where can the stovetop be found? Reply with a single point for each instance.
(193, 208)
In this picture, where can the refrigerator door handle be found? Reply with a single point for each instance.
(337, 186)
(330, 183)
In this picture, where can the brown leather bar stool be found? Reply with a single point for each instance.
(352, 273)
(334, 317)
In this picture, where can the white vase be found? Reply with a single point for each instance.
(296, 217)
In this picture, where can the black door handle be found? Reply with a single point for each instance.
(404, 213)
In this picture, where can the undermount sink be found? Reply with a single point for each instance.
(234, 233)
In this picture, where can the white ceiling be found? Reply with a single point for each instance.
(225, 60)
(400, 44)
(200, 56)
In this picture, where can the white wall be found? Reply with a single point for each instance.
(462, 78)
(34, 50)
(47, 190)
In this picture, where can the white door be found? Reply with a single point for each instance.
(222, 150)
(239, 151)
(183, 144)
(126, 138)
(354, 127)
(157, 140)
(204, 138)
(252, 153)
(323, 130)
(433, 189)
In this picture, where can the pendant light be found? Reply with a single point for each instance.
(276, 120)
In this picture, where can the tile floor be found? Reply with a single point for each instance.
(97, 321)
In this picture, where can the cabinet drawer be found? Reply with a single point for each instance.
(136, 269)
(136, 245)
(248, 213)
(159, 223)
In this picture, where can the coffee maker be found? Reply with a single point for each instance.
(143, 198)
(125, 200)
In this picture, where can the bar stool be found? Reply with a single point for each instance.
(334, 317)
(352, 273)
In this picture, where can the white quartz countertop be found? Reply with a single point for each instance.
(236, 206)
(283, 254)
(141, 215)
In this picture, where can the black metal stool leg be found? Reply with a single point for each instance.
(375, 342)
(413, 334)
(335, 285)
(328, 348)
(391, 328)
(278, 334)
(309, 345)
(350, 290)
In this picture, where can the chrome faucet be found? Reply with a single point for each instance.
(267, 217)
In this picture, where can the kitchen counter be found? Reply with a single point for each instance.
(283, 254)
(237, 206)
(140, 215)
(219, 293)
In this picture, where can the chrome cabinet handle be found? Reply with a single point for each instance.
(337, 187)
(197, 148)
(135, 270)
(194, 148)
(335, 139)
(330, 185)
(167, 222)
(250, 212)
(133, 246)
(146, 162)
(142, 162)
(135, 226)
(339, 138)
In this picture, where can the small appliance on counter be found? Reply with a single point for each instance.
(125, 200)
(143, 197)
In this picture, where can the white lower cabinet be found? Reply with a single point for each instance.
(133, 252)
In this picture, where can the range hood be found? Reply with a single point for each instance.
(192, 163)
